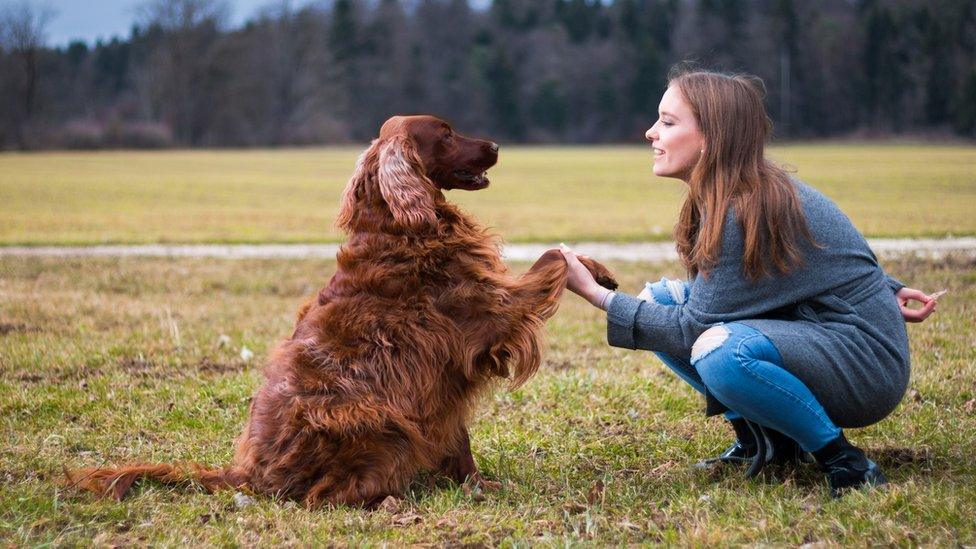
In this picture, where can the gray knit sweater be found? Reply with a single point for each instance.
(835, 320)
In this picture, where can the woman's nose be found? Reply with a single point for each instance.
(649, 134)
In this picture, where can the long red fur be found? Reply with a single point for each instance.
(385, 364)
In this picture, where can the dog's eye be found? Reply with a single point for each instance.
(448, 136)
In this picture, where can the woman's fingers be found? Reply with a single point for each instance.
(907, 295)
(566, 250)
(578, 277)
(572, 260)
(568, 253)
(937, 295)
(918, 315)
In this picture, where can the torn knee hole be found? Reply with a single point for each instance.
(677, 290)
(711, 339)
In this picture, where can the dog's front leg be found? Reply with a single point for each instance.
(461, 467)
(538, 290)
(535, 298)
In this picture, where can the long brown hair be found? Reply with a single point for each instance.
(734, 172)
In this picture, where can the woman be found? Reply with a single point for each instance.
(787, 324)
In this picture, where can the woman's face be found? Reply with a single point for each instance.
(675, 137)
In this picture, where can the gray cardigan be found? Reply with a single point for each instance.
(834, 320)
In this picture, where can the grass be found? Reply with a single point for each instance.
(111, 360)
(550, 194)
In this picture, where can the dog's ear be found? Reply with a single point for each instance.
(355, 188)
(406, 190)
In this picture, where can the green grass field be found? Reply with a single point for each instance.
(112, 360)
(550, 194)
(115, 360)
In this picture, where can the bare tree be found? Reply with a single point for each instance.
(22, 29)
(177, 83)
(180, 15)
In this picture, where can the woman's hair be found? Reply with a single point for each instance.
(734, 172)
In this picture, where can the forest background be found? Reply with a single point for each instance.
(558, 71)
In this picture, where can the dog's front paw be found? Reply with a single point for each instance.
(485, 484)
(476, 486)
(600, 273)
(607, 281)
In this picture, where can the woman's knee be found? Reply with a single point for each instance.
(666, 292)
(713, 359)
(722, 355)
(708, 342)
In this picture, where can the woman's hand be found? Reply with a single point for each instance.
(906, 295)
(580, 281)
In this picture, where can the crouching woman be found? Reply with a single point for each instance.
(787, 323)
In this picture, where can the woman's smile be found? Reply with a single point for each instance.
(678, 127)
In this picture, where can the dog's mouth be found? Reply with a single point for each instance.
(471, 180)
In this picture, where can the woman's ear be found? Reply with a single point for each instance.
(403, 185)
(365, 168)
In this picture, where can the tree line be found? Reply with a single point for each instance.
(568, 71)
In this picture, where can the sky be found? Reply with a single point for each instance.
(90, 20)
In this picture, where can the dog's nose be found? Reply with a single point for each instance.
(494, 147)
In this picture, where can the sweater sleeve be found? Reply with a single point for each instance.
(894, 283)
(634, 323)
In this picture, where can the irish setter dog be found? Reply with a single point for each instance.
(380, 376)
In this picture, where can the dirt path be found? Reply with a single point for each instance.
(656, 251)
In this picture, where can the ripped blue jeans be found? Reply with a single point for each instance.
(743, 370)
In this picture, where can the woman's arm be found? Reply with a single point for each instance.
(634, 323)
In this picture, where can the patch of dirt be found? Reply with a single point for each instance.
(30, 378)
(147, 368)
(898, 457)
(557, 365)
(210, 366)
(137, 366)
(11, 327)
(56, 377)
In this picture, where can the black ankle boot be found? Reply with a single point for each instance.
(758, 446)
(847, 467)
(786, 451)
(743, 450)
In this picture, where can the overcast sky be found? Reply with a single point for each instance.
(90, 20)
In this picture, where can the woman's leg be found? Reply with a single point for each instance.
(741, 367)
(676, 292)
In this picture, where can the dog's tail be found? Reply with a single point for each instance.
(116, 482)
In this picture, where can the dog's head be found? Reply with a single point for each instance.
(414, 158)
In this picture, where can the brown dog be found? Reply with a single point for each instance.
(384, 366)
